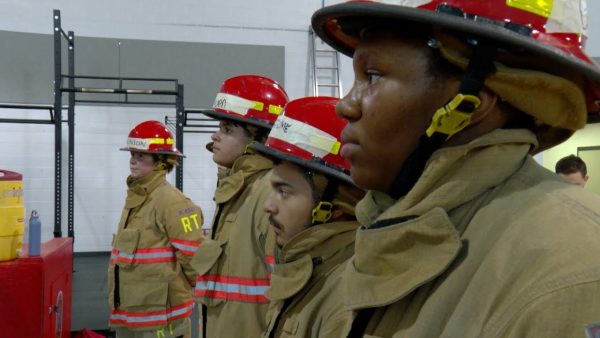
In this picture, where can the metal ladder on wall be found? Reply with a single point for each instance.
(325, 63)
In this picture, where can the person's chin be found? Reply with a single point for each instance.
(217, 159)
(365, 180)
(280, 242)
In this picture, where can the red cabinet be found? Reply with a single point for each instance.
(35, 293)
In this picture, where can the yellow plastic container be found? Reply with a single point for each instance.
(12, 214)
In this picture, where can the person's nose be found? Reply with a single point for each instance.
(270, 206)
(215, 137)
(348, 107)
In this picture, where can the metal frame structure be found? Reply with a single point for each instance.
(182, 122)
(71, 89)
(195, 125)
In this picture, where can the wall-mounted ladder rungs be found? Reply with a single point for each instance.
(325, 67)
(331, 85)
(325, 51)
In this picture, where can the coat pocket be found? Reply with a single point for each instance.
(125, 244)
(149, 296)
(209, 266)
(206, 256)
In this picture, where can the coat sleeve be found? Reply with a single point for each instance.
(570, 311)
(182, 222)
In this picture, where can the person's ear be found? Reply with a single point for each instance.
(488, 103)
(336, 213)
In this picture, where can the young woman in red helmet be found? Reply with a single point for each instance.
(150, 276)
(234, 271)
(464, 234)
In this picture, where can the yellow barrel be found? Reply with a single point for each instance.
(12, 214)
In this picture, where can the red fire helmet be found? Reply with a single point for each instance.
(308, 134)
(549, 31)
(151, 137)
(251, 99)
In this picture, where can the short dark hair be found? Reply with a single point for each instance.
(571, 164)
(308, 176)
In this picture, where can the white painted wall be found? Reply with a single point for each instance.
(100, 167)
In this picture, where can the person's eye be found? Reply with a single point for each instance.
(284, 193)
(373, 77)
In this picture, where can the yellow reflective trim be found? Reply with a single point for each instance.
(273, 109)
(335, 149)
(539, 7)
(157, 140)
(448, 120)
(160, 140)
(326, 143)
(257, 105)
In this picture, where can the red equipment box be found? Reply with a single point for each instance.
(35, 293)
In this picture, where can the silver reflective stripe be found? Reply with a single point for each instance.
(231, 288)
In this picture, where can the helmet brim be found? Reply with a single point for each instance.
(325, 24)
(327, 170)
(231, 117)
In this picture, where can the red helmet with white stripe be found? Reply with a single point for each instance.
(251, 99)
(548, 32)
(308, 134)
(151, 137)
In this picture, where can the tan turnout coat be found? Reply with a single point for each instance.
(487, 244)
(150, 277)
(306, 300)
(234, 270)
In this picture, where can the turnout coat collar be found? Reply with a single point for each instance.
(406, 243)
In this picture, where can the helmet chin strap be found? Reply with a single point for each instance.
(449, 119)
(323, 211)
(248, 150)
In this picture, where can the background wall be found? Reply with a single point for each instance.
(29, 148)
(200, 67)
(100, 168)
